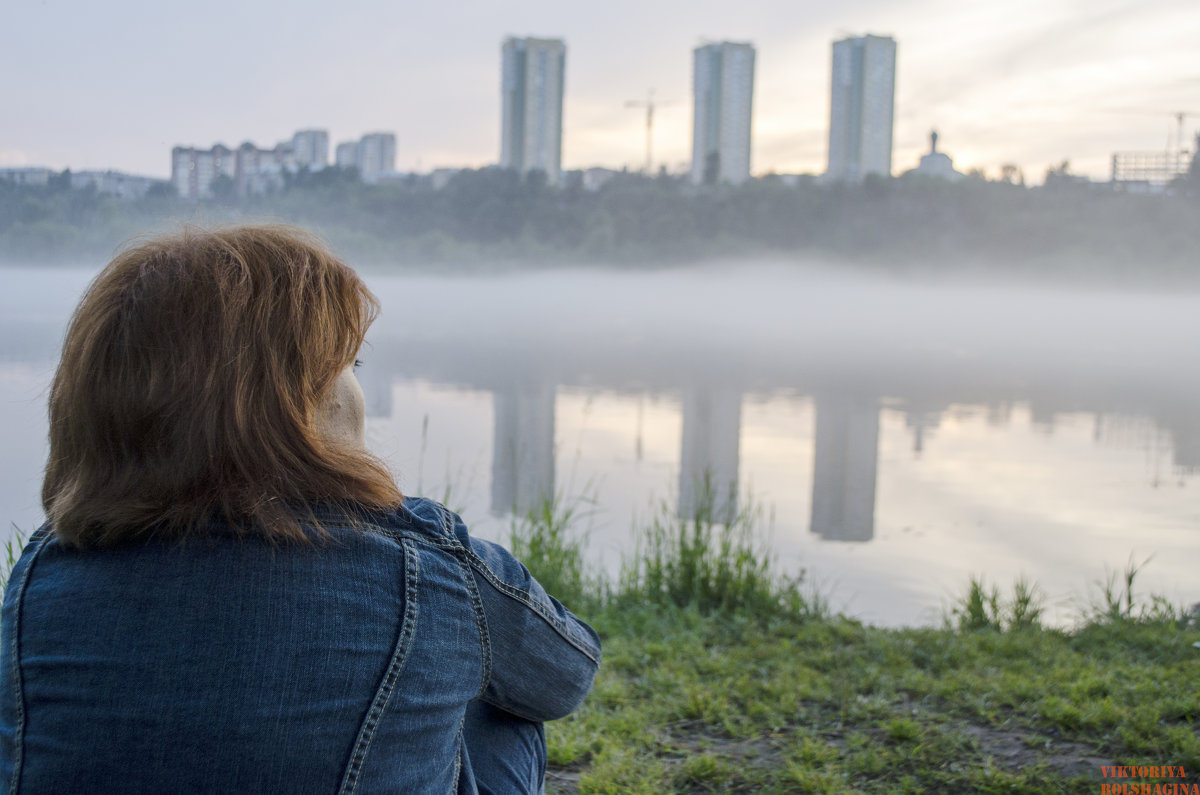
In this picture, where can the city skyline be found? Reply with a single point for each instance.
(1028, 83)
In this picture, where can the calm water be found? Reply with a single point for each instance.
(896, 437)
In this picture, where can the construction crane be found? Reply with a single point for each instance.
(649, 104)
(1180, 116)
(1176, 147)
(1180, 148)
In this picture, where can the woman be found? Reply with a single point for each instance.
(230, 593)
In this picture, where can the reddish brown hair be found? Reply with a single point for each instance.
(189, 387)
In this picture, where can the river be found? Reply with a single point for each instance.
(896, 437)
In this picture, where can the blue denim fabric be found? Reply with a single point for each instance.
(507, 753)
(227, 664)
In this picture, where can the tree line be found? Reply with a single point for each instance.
(494, 218)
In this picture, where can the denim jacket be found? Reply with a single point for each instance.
(227, 664)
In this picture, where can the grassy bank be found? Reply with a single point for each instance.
(721, 675)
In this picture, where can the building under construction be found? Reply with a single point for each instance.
(1152, 172)
(1148, 171)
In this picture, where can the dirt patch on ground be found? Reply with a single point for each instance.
(693, 737)
(562, 780)
(1019, 750)
(685, 738)
(1009, 749)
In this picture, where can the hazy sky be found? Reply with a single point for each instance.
(116, 84)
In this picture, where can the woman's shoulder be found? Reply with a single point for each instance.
(417, 518)
(427, 513)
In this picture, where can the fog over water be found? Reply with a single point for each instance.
(903, 434)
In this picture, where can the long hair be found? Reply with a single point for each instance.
(189, 387)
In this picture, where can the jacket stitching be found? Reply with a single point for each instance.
(485, 644)
(420, 538)
(388, 684)
(37, 544)
(447, 521)
(461, 750)
(537, 608)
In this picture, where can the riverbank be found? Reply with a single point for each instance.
(719, 675)
(729, 703)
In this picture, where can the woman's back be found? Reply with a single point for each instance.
(206, 384)
(228, 664)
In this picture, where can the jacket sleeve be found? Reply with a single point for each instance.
(543, 659)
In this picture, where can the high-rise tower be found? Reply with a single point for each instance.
(723, 85)
(861, 105)
(531, 98)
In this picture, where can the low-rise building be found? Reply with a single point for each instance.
(26, 175)
(310, 149)
(128, 187)
(347, 155)
(193, 170)
(253, 170)
(1148, 172)
(374, 155)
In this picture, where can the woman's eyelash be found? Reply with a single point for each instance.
(357, 363)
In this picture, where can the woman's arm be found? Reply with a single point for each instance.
(543, 659)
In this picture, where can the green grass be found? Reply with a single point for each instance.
(983, 607)
(547, 540)
(696, 703)
(723, 674)
(710, 565)
(12, 551)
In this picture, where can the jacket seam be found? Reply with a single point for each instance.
(387, 685)
(37, 544)
(485, 642)
(458, 757)
(519, 595)
(485, 651)
(425, 539)
(437, 529)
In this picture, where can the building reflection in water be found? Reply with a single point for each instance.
(708, 459)
(846, 433)
(845, 460)
(523, 452)
(1183, 426)
(923, 421)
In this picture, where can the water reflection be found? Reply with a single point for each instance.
(1182, 422)
(923, 421)
(523, 384)
(845, 459)
(708, 457)
(523, 448)
(898, 460)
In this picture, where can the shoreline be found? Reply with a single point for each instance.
(734, 703)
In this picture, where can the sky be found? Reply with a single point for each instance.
(116, 84)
